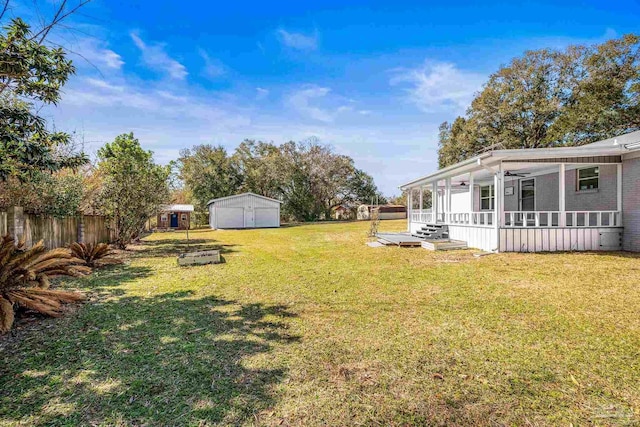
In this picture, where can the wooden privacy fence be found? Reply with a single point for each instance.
(55, 232)
(3, 223)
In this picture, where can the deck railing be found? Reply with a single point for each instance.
(515, 219)
(454, 218)
(469, 218)
(426, 217)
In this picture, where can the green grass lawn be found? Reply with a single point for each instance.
(308, 326)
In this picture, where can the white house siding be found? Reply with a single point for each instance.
(631, 204)
(484, 238)
(554, 239)
(459, 200)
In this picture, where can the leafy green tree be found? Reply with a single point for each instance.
(318, 180)
(308, 177)
(361, 188)
(550, 98)
(59, 194)
(260, 166)
(133, 186)
(208, 173)
(31, 72)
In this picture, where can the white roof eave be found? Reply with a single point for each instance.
(493, 157)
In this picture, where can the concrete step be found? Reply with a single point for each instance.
(443, 245)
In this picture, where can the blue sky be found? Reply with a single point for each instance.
(373, 79)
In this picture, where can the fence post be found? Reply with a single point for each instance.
(81, 228)
(15, 222)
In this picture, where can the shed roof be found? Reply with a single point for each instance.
(242, 195)
(177, 208)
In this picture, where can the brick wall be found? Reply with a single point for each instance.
(631, 204)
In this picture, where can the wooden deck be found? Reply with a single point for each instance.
(399, 239)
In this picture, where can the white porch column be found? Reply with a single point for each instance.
(434, 201)
(496, 205)
(447, 201)
(421, 189)
(562, 221)
(619, 193)
(500, 195)
(471, 192)
(409, 208)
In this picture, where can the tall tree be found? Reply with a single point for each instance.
(133, 186)
(362, 188)
(551, 98)
(309, 178)
(31, 72)
(260, 165)
(208, 173)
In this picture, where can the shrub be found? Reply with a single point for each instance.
(93, 255)
(25, 278)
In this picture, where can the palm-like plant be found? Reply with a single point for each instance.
(25, 278)
(93, 255)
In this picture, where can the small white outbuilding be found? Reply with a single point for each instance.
(247, 210)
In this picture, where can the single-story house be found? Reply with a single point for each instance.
(176, 217)
(531, 200)
(384, 211)
(247, 210)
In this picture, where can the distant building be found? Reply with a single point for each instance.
(343, 212)
(175, 217)
(385, 211)
(245, 210)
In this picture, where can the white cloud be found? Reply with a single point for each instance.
(155, 57)
(101, 84)
(261, 93)
(298, 41)
(212, 67)
(306, 101)
(133, 101)
(437, 86)
(301, 101)
(94, 52)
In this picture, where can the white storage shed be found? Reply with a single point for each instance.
(247, 210)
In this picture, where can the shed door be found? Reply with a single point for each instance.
(229, 217)
(249, 219)
(174, 220)
(267, 217)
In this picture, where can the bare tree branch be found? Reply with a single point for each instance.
(58, 17)
(4, 9)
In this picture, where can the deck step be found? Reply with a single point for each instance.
(443, 245)
(433, 232)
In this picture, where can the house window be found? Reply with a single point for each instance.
(184, 217)
(163, 217)
(487, 198)
(588, 178)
